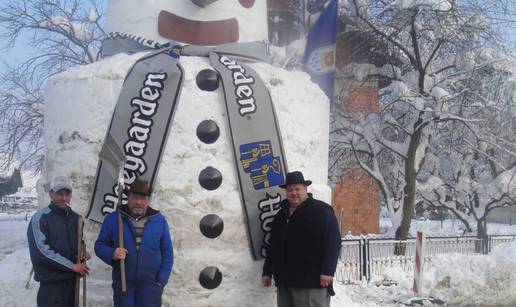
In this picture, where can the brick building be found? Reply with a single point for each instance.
(356, 196)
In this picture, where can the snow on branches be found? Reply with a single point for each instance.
(60, 34)
(446, 108)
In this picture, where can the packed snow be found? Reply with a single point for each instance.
(456, 279)
(72, 147)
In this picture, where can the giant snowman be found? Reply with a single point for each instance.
(198, 186)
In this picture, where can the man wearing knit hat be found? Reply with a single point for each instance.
(52, 236)
(305, 246)
(148, 249)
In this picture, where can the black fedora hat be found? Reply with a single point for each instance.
(140, 187)
(294, 178)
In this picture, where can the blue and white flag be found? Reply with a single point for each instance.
(319, 57)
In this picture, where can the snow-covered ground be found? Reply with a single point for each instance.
(15, 265)
(450, 227)
(458, 280)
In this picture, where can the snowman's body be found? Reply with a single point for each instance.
(79, 104)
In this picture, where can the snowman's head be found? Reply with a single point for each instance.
(196, 22)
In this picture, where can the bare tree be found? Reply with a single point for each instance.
(21, 119)
(61, 34)
(429, 44)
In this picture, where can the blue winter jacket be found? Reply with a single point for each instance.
(152, 263)
(52, 236)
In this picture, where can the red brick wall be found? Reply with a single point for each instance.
(363, 96)
(357, 195)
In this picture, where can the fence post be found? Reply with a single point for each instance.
(368, 259)
(486, 238)
(364, 259)
(419, 263)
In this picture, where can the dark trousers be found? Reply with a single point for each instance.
(140, 295)
(57, 294)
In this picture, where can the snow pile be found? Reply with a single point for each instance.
(475, 280)
(15, 264)
(459, 280)
(281, 56)
(29, 185)
(436, 228)
(85, 97)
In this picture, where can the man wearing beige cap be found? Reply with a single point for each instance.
(52, 236)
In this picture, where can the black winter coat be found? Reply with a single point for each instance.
(52, 236)
(303, 245)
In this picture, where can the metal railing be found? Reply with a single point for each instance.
(362, 258)
(15, 217)
(498, 240)
(349, 267)
(382, 255)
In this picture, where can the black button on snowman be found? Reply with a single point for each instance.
(210, 178)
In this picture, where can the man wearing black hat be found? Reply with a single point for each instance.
(305, 246)
(148, 251)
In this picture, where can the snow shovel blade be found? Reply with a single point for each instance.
(112, 155)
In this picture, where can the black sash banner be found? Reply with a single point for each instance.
(257, 146)
(139, 127)
(144, 114)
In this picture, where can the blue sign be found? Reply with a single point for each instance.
(319, 57)
(257, 159)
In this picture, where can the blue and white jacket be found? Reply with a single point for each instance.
(52, 236)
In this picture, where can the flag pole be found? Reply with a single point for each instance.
(113, 156)
(121, 229)
(84, 281)
(79, 254)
